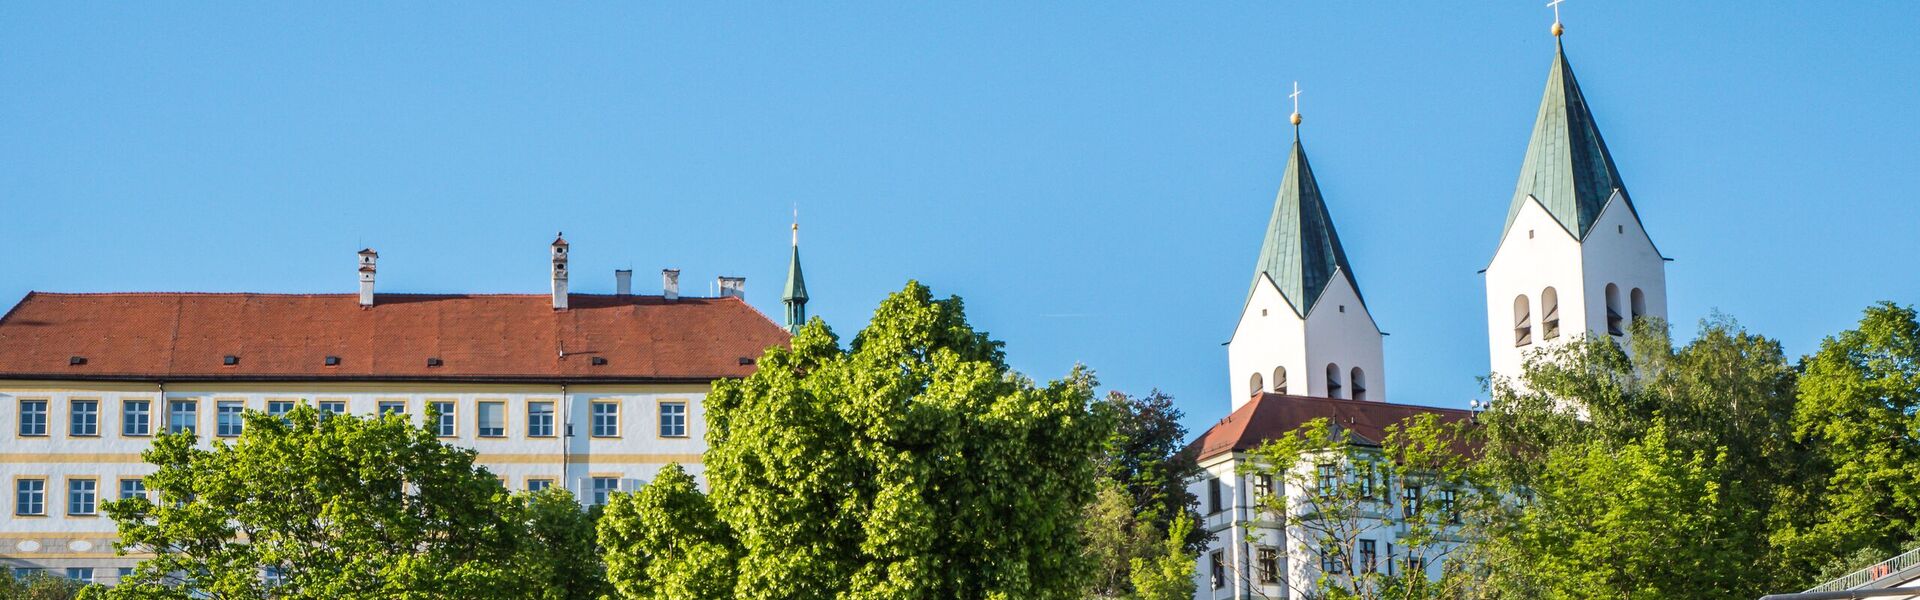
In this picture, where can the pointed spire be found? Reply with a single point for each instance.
(795, 296)
(1567, 167)
(1302, 252)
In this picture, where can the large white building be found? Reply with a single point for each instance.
(1573, 261)
(593, 392)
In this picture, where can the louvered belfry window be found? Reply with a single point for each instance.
(1522, 321)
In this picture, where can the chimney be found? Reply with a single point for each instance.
(733, 286)
(559, 272)
(367, 258)
(623, 282)
(670, 283)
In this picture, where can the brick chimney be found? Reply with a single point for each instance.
(735, 287)
(559, 272)
(623, 282)
(367, 258)
(670, 283)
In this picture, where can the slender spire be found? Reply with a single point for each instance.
(795, 296)
(1567, 166)
(1301, 252)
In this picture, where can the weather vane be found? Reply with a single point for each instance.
(1557, 29)
(1296, 102)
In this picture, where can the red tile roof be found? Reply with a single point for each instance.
(1270, 416)
(184, 336)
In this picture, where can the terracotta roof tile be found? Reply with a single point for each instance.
(1273, 415)
(184, 336)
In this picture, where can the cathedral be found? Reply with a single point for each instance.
(1574, 261)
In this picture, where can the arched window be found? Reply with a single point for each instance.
(1522, 321)
(1613, 311)
(1279, 380)
(1549, 314)
(1358, 383)
(1333, 380)
(1254, 385)
(1639, 303)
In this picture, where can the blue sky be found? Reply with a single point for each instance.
(1092, 177)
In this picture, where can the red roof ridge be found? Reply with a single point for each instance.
(1270, 415)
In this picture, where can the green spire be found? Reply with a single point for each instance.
(795, 296)
(1302, 252)
(1567, 167)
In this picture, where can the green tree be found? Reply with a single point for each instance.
(1144, 476)
(1116, 538)
(666, 542)
(912, 464)
(1707, 419)
(319, 507)
(1331, 491)
(558, 556)
(1169, 574)
(42, 586)
(1859, 412)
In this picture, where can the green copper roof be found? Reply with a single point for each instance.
(1301, 252)
(1567, 167)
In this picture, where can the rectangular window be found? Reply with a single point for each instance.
(83, 418)
(33, 418)
(673, 419)
(279, 409)
(1329, 480)
(604, 487)
(332, 407)
(1217, 569)
(81, 496)
(1410, 501)
(445, 425)
(1213, 496)
(136, 418)
(1265, 483)
(1367, 556)
(80, 574)
(133, 488)
(182, 416)
(226, 418)
(535, 485)
(1448, 509)
(492, 419)
(22, 572)
(30, 497)
(126, 572)
(1268, 565)
(606, 419)
(393, 407)
(539, 419)
(1366, 480)
(1330, 558)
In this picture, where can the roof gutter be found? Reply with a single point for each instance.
(1846, 594)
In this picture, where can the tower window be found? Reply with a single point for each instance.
(1333, 380)
(1279, 380)
(1638, 300)
(1522, 321)
(1613, 311)
(1358, 381)
(1254, 385)
(1550, 314)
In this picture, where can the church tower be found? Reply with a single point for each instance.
(1305, 330)
(795, 296)
(1573, 257)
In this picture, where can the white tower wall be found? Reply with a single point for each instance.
(1272, 335)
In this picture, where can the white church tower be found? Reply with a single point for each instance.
(1305, 330)
(1573, 259)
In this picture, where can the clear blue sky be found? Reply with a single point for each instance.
(1092, 177)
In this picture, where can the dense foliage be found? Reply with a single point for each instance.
(911, 464)
(337, 506)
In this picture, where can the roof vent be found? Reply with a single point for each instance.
(74, 361)
(434, 362)
(599, 360)
(230, 360)
(333, 361)
(746, 360)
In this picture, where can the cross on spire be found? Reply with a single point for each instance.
(1557, 29)
(1296, 103)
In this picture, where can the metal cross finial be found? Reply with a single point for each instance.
(1556, 9)
(796, 224)
(1296, 103)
